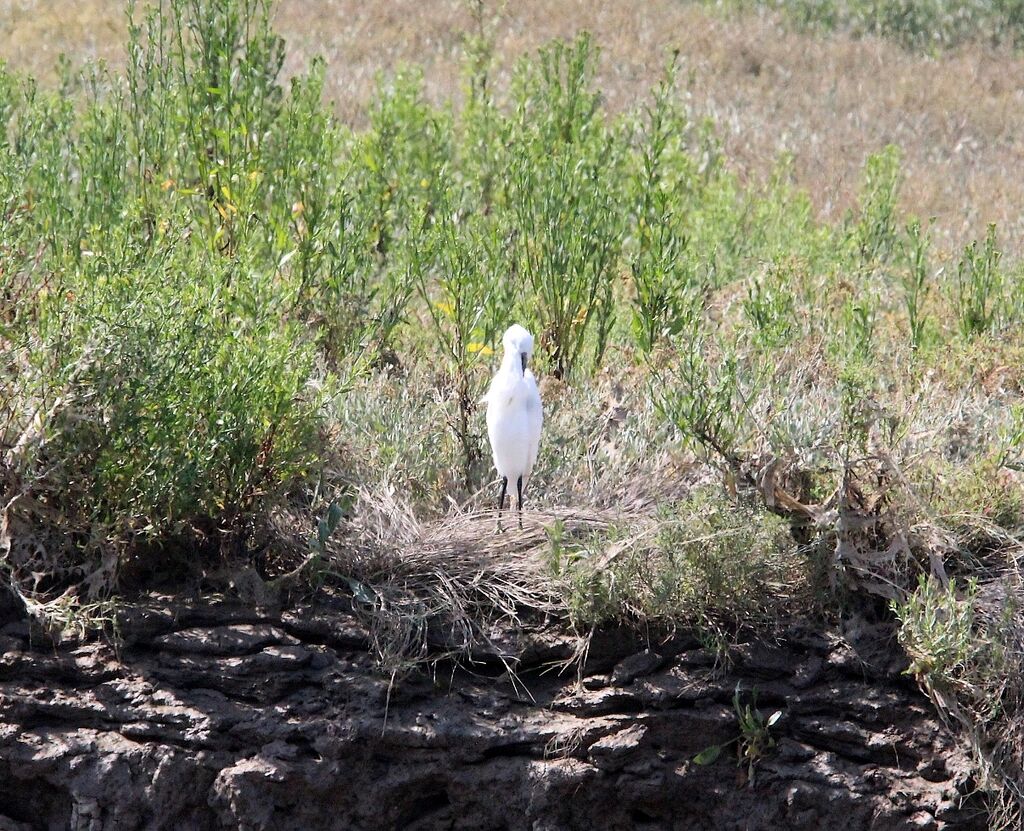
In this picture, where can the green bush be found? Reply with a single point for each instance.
(955, 648)
(179, 408)
(874, 233)
(564, 189)
(662, 267)
(713, 563)
(979, 286)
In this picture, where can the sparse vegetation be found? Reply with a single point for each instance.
(754, 740)
(237, 332)
(705, 563)
(917, 24)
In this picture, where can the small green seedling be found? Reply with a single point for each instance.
(318, 547)
(753, 741)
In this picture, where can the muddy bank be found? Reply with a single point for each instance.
(211, 716)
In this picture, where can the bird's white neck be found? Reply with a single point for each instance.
(512, 363)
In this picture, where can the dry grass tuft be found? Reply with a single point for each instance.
(446, 590)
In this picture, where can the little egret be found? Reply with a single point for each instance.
(514, 415)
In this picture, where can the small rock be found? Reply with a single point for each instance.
(808, 672)
(631, 668)
(321, 659)
(274, 658)
(597, 702)
(922, 820)
(9, 644)
(791, 751)
(933, 769)
(19, 629)
(340, 632)
(240, 639)
(141, 624)
(615, 750)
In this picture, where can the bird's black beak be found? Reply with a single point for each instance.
(522, 357)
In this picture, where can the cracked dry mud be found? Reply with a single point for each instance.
(213, 716)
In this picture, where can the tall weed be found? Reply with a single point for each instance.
(979, 286)
(564, 202)
(874, 234)
(456, 266)
(662, 267)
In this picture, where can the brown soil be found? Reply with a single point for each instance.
(217, 716)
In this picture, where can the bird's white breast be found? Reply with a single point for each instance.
(514, 419)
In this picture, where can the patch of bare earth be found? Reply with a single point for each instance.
(218, 715)
(830, 101)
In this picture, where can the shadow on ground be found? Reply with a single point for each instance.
(211, 715)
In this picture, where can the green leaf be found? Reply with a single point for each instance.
(359, 590)
(323, 532)
(708, 755)
(334, 515)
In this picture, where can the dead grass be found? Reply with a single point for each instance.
(451, 588)
(828, 100)
(34, 33)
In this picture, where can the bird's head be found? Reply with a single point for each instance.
(518, 345)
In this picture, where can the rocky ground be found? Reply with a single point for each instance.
(212, 715)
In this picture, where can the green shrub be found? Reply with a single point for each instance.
(662, 267)
(874, 234)
(770, 308)
(916, 24)
(712, 563)
(954, 647)
(456, 266)
(915, 280)
(564, 202)
(181, 407)
(702, 393)
(979, 286)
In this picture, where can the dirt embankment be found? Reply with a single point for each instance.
(216, 716)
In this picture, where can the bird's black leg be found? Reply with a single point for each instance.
(501, 498)
(519, 489)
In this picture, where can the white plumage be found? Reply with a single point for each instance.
(514, 415)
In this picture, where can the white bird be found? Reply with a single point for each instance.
(514, 415)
